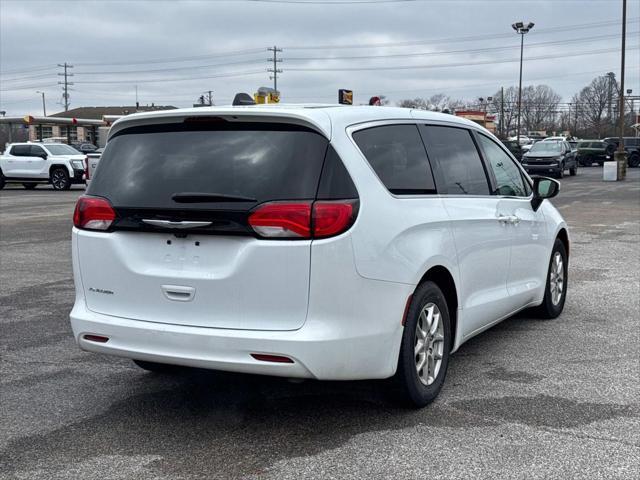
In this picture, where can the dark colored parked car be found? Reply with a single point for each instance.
(631, 146)
(550, 157)
(594, 151)
(514, 147)
(84, 147)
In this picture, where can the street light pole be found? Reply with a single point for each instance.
(521, 29)
(44, 108)
(620, 155)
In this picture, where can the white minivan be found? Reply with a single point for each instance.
(323, 242)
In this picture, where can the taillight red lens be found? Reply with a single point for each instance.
(86, 167)
(303, 219)
(282, 220)
(332, 218)
(93, 213)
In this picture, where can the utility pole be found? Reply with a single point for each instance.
(65, 84)
(209, 97)
(502, 113)
(44, 107)
(275, 70)
(620, 155)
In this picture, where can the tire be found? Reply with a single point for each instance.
(30, 186)
(586, 161)
(60, 179)
(156, 367)
(420, 389)
(634, 160)
(552, 305)
(560, 172)
(573, 170)
(3, 182)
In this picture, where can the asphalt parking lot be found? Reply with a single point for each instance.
(527, 399)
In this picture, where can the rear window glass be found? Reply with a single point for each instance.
(397, 155)
(146, 166)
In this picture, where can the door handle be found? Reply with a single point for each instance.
(510, 219)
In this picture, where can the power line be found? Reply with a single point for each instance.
(176, 59)
(465, 51)
(447, 65)
(163, 80)
(492, 36)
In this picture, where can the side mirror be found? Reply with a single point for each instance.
(543, 187)
(43, 156)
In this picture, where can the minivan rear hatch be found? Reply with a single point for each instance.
(180, 250)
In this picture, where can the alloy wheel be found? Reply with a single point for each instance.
(58, 179)
(556, 278)
(429, 343)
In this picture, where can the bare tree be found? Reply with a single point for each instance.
(593, 101)
(438, 103)
(539, 107)
(507, 104)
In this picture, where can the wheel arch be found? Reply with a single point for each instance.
(59, 165)
(442, 277)
(563, 236)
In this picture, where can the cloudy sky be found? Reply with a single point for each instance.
(175, 50)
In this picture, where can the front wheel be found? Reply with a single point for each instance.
(2, 181)
(573, 170)
(60, 179)
(560, 173)
(426, 341)
(634, 160)
(555, 292)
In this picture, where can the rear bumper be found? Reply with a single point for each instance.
(317, 350)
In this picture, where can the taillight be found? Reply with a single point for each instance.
(282, 219)
(303, 220)
(86, 167)
(332, 218)
(93, 213)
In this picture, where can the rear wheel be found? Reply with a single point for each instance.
(424, 353)
(60, 179)
(29, 186)
(155, 367)
(555, 292)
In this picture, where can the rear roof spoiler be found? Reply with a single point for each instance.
(242, 99)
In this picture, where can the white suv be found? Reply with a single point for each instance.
(333, 243)
(35, 163)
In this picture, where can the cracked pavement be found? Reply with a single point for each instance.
(526, 399)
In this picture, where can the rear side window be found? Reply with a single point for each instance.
(455, 160)
(397, 155)
(335, 183)
(21, 150)
(36, 150)
(144, 167)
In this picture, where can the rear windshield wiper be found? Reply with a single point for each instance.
(196, 197)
